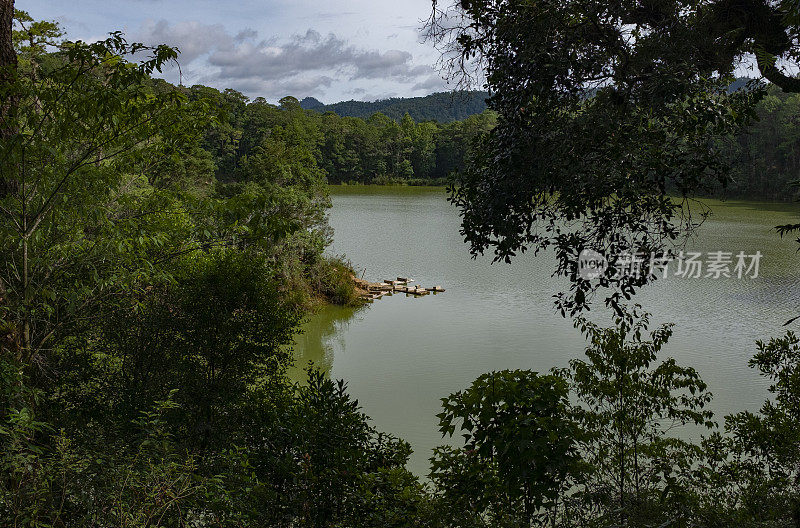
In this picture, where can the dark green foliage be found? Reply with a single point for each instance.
(259, 138)
(344, 461)
(442, 107)
(293, 456)
(631, 407)
(520, 450)
(608, 459)
(152, 280)
(161, 246)
(605, 109)
(766, 157)
(219, 328)
(768, 442)
(144, 483)
(334, 280)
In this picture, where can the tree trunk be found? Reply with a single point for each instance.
(8, 71)
(8, 57)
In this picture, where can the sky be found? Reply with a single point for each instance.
(333, 50)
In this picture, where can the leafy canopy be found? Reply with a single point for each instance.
(606, 109)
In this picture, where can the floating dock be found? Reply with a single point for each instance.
(370, 291)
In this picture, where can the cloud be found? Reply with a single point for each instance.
(393, 63)
(246, 34)
(193, 39)
(434, 82)
(280, 87)
(329, 15)
(271, 59)
(303, 64)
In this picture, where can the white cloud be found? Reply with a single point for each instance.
(432, 83)
(301, 65)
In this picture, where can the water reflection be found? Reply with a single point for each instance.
(321, 338)
(400, 356)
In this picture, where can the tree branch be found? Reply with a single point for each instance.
(774, 75)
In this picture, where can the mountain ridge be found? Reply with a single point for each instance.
(443, 107)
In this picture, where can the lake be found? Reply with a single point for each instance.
(400, 354)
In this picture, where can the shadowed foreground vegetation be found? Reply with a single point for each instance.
(161, 246)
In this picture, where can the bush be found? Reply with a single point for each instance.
(333, 280)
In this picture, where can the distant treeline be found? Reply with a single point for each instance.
(766, 158)
(385, 147)
(251, 134)
(442, 106)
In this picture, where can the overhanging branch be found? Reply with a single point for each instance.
(774, 75)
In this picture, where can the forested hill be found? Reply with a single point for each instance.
(443, 107)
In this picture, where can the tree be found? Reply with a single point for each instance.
(639, 472)
(8, 57)
(220, 327)
(520, 449)
(144, 311)
(8, 69)
(78, 212)
(770, 438)
(605, 110)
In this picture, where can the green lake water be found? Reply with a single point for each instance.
(400, 354)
